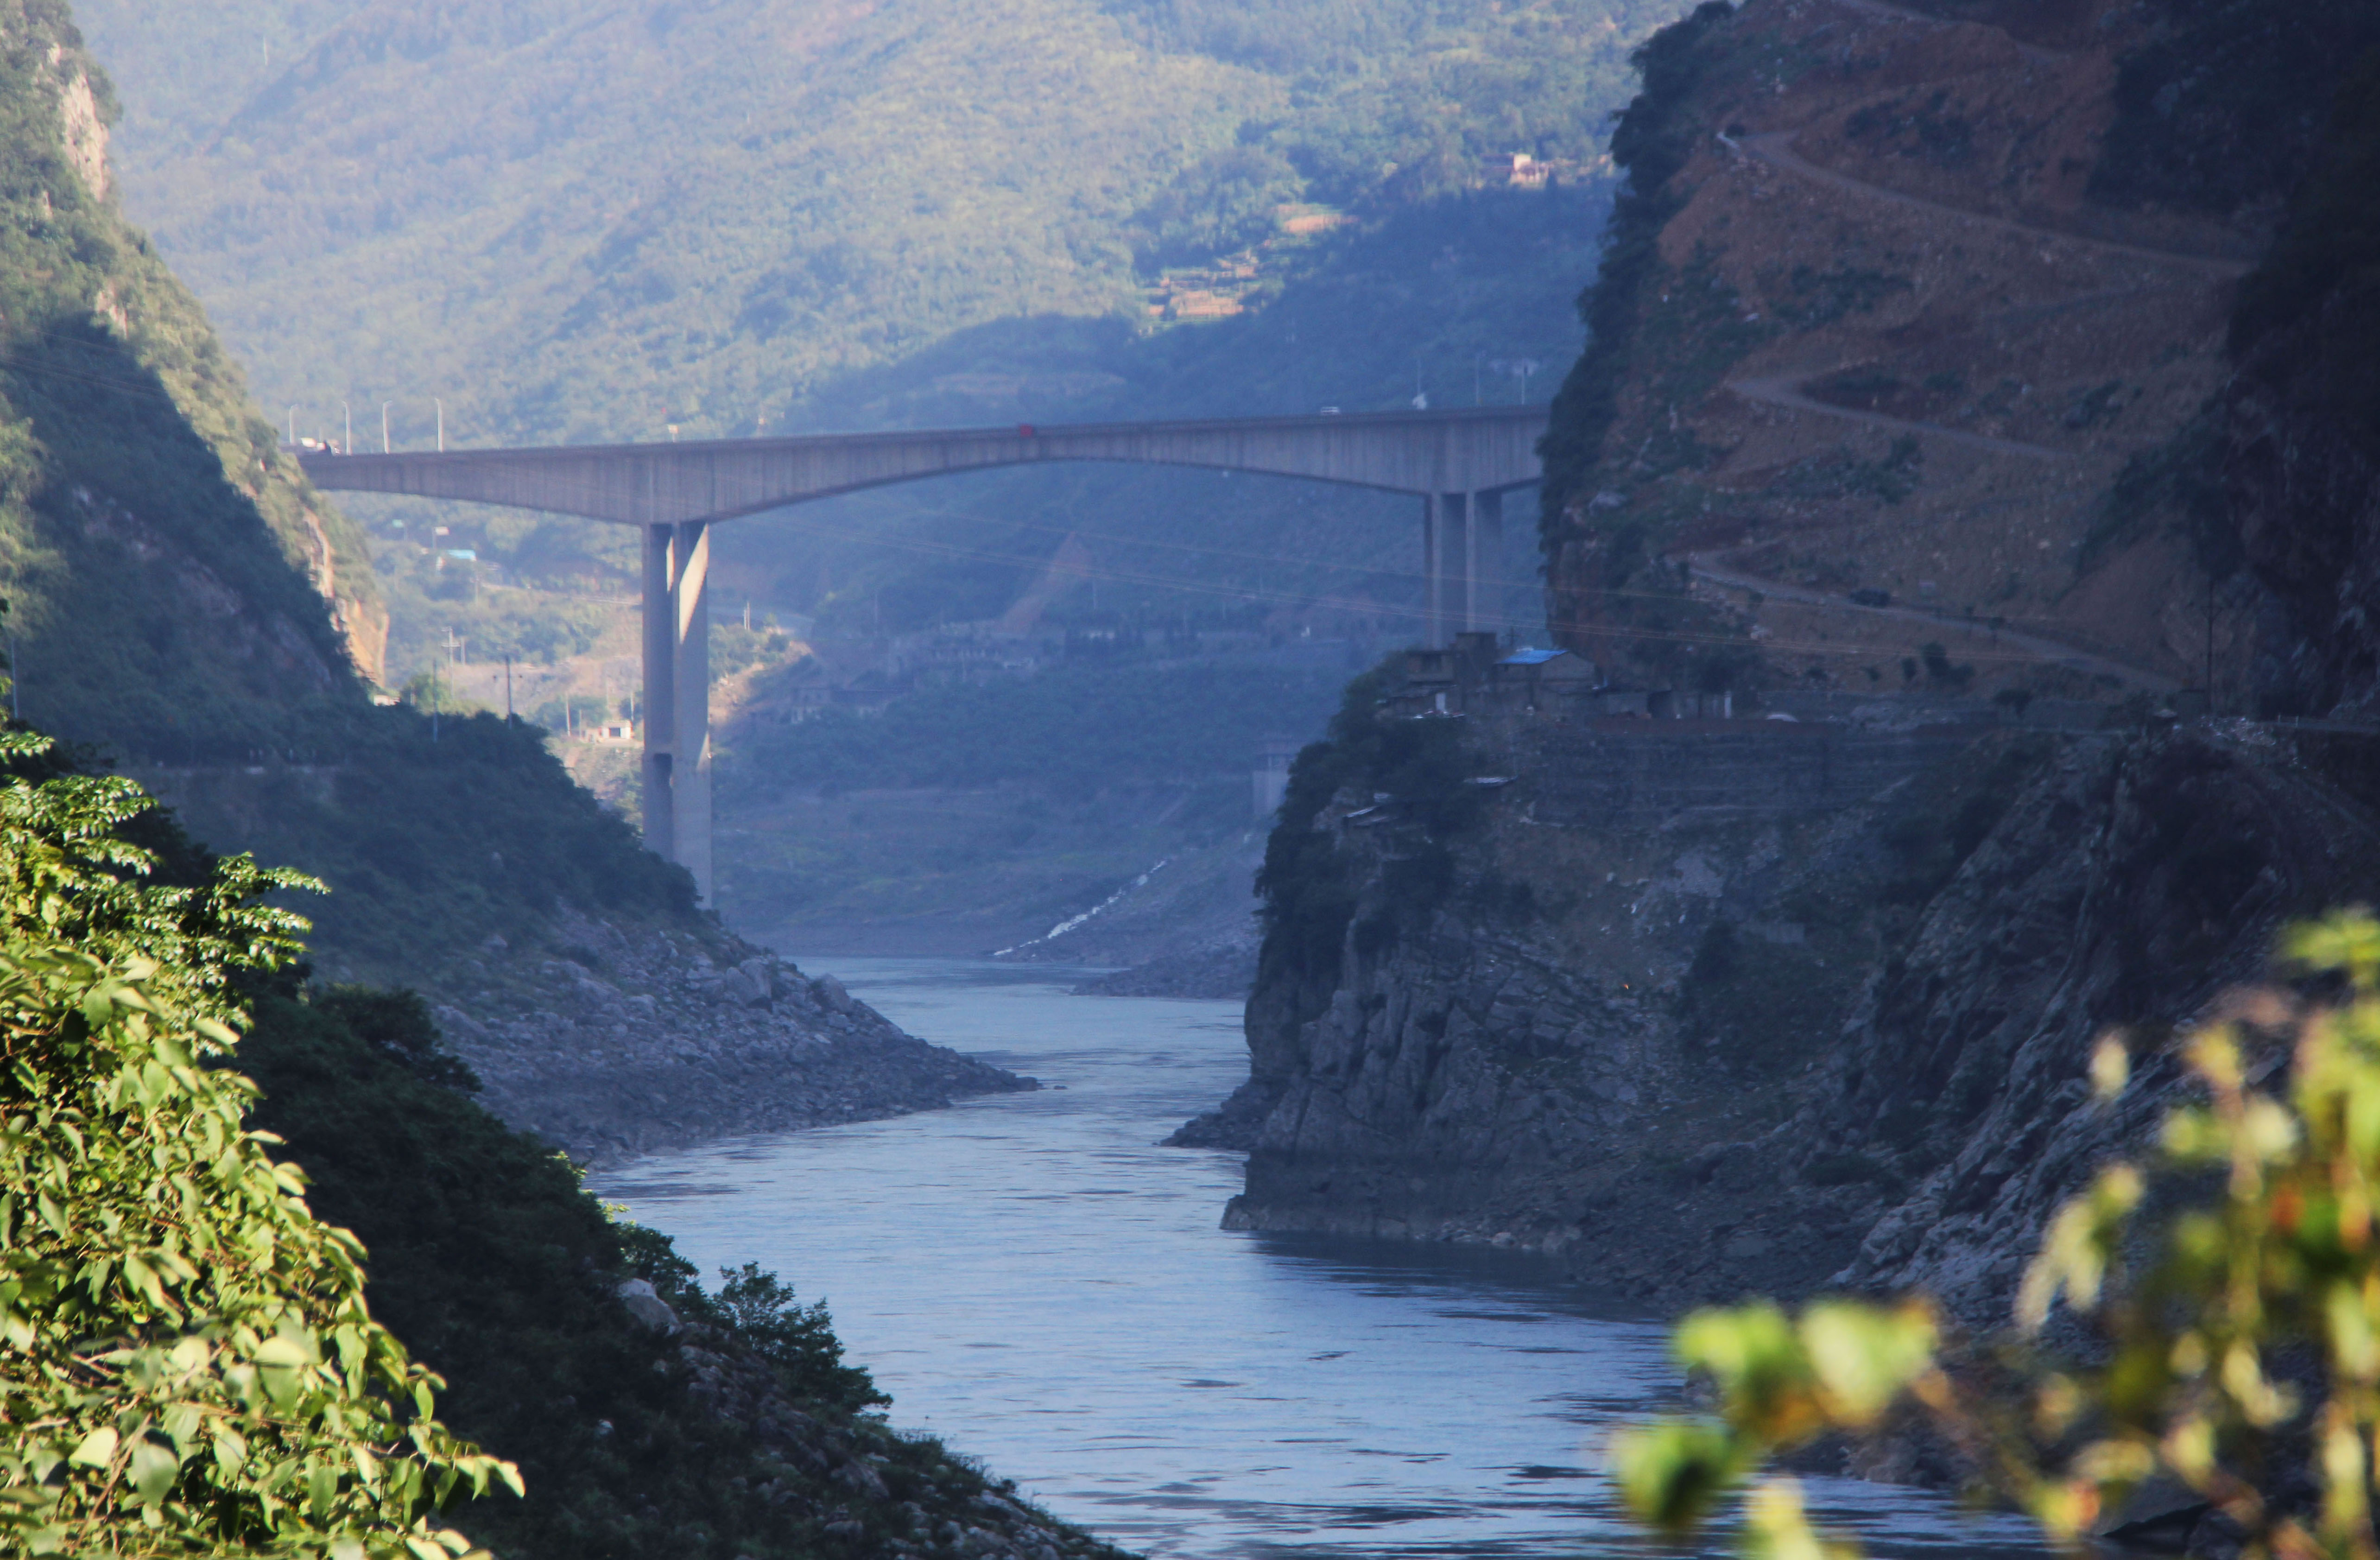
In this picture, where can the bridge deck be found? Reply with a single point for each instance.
(1491, 449)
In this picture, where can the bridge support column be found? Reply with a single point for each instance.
(1433, 582)
(1457, 610)
(677, 697)
(1485, 573)
(691, 759)
(661, 694)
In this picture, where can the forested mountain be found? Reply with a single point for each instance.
(571, 223)
(576, 222)
(159, 601)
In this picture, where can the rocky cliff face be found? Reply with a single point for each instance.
(2300, 422)
(1769, 1047)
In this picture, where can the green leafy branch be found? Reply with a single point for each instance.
(186, 1361)
(2271, 1258)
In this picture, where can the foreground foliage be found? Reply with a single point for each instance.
(2248, 1352)
(501, 1271)
(186, 1361)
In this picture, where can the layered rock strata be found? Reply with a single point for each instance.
(1710, 1053)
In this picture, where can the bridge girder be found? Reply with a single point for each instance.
(1459, 463)
(1480, 450)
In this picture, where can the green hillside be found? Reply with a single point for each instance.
(182, 604)
(574, 227)
(751, 216)
(157, 551)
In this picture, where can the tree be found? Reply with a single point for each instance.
(186, 1361)
(2250, 1348)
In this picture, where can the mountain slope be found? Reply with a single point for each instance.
(160, 550)
(765, 214)
(1936, 302)
(176, 601)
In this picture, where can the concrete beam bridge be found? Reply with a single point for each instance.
(1459, 463)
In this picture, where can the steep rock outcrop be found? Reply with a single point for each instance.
(2299, 452)
(1769, 1054)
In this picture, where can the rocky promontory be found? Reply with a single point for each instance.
(1763, 1046)
(622, 1041)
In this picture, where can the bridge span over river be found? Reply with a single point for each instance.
(1459, 463)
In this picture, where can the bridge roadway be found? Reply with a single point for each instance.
(1459, 463)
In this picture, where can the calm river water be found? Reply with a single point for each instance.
(1036, 1283)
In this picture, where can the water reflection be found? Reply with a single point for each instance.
(1036, 1281)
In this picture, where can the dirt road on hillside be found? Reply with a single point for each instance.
(2033, 646)
(1774, 149)
(1783, 390)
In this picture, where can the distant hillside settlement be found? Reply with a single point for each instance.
(1226, 287)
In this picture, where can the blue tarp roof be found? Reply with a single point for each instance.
(1530, 657)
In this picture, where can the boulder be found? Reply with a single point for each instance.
(645, 1303)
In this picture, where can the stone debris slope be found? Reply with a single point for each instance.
(634, 1042)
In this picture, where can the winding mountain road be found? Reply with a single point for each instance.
(2033, 52)
(1783, 390)
(1774, 148)
(1701, 566)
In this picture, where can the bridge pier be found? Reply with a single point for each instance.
(1462, 554)
(1484, 563)
(1453, 570)
(1433, 578)
(659, 696)
(677, 697)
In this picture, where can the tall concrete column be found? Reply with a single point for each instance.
(1433, 622)
(661, 692)
(1488, 601)
(1454, 566)
(690, 765)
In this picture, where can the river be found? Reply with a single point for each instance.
(1039, 1286)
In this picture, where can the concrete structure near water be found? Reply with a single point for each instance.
(1459, 463)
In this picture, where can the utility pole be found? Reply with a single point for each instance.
(383, 427)
(349, 447)
(293, 425)
(442, 423)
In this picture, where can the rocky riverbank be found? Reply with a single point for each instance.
(630, 1040)
(1221, 970)
(1844, 1047)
